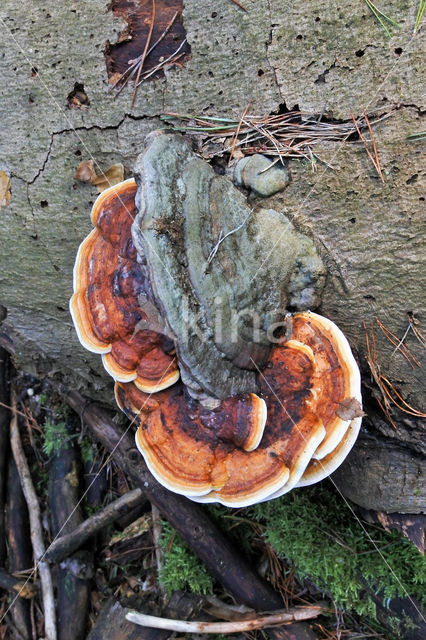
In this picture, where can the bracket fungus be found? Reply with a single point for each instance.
(183, 290)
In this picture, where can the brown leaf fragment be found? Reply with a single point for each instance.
(5, 190)
(86, 173)
(113, 175)
(349, 409)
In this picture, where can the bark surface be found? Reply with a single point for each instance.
(323, 59)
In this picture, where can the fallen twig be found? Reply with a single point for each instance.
(156, 535)
(72, 583)
(19, 547)
(36, 526)
(4, 438)
(67, 544)
(258, 622)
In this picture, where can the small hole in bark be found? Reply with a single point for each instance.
(44, 204)
(412, 179)
(60, 308)
(369, 297)
(219, 93)
(421, 199)
(77, 98)
(352, 220)
(299, 37)
(34, 71)
(30, 99)
(77, 153)
(260, 72)
(359, 53)
(214, 14)
(317, 19)
(398, 51)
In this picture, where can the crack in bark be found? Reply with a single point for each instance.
(28, 183)
(267, 45)
(36, 236)
(98, 127)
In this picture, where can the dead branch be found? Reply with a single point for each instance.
(4, 441)
(66, 544)
(19, 547)
(73, 585)
(258, 622)
(206, 540)
(156, 535)
(36, 526)
(112, 624)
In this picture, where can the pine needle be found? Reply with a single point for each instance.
(290, 135)
(419, 16)
(144, 53)
(382, 18)
(417, 136)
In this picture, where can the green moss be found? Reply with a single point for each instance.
(314, 530)
(181, 568)
(56, 437)
(86, 448)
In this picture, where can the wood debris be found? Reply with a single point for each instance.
(86, 173)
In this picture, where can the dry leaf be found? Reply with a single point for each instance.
(113, 175)
(349, 409)
(86, 173)
(5, 190)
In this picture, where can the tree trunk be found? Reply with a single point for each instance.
(56, 111)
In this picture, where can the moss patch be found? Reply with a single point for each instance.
(182, 569)
(314, 531)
